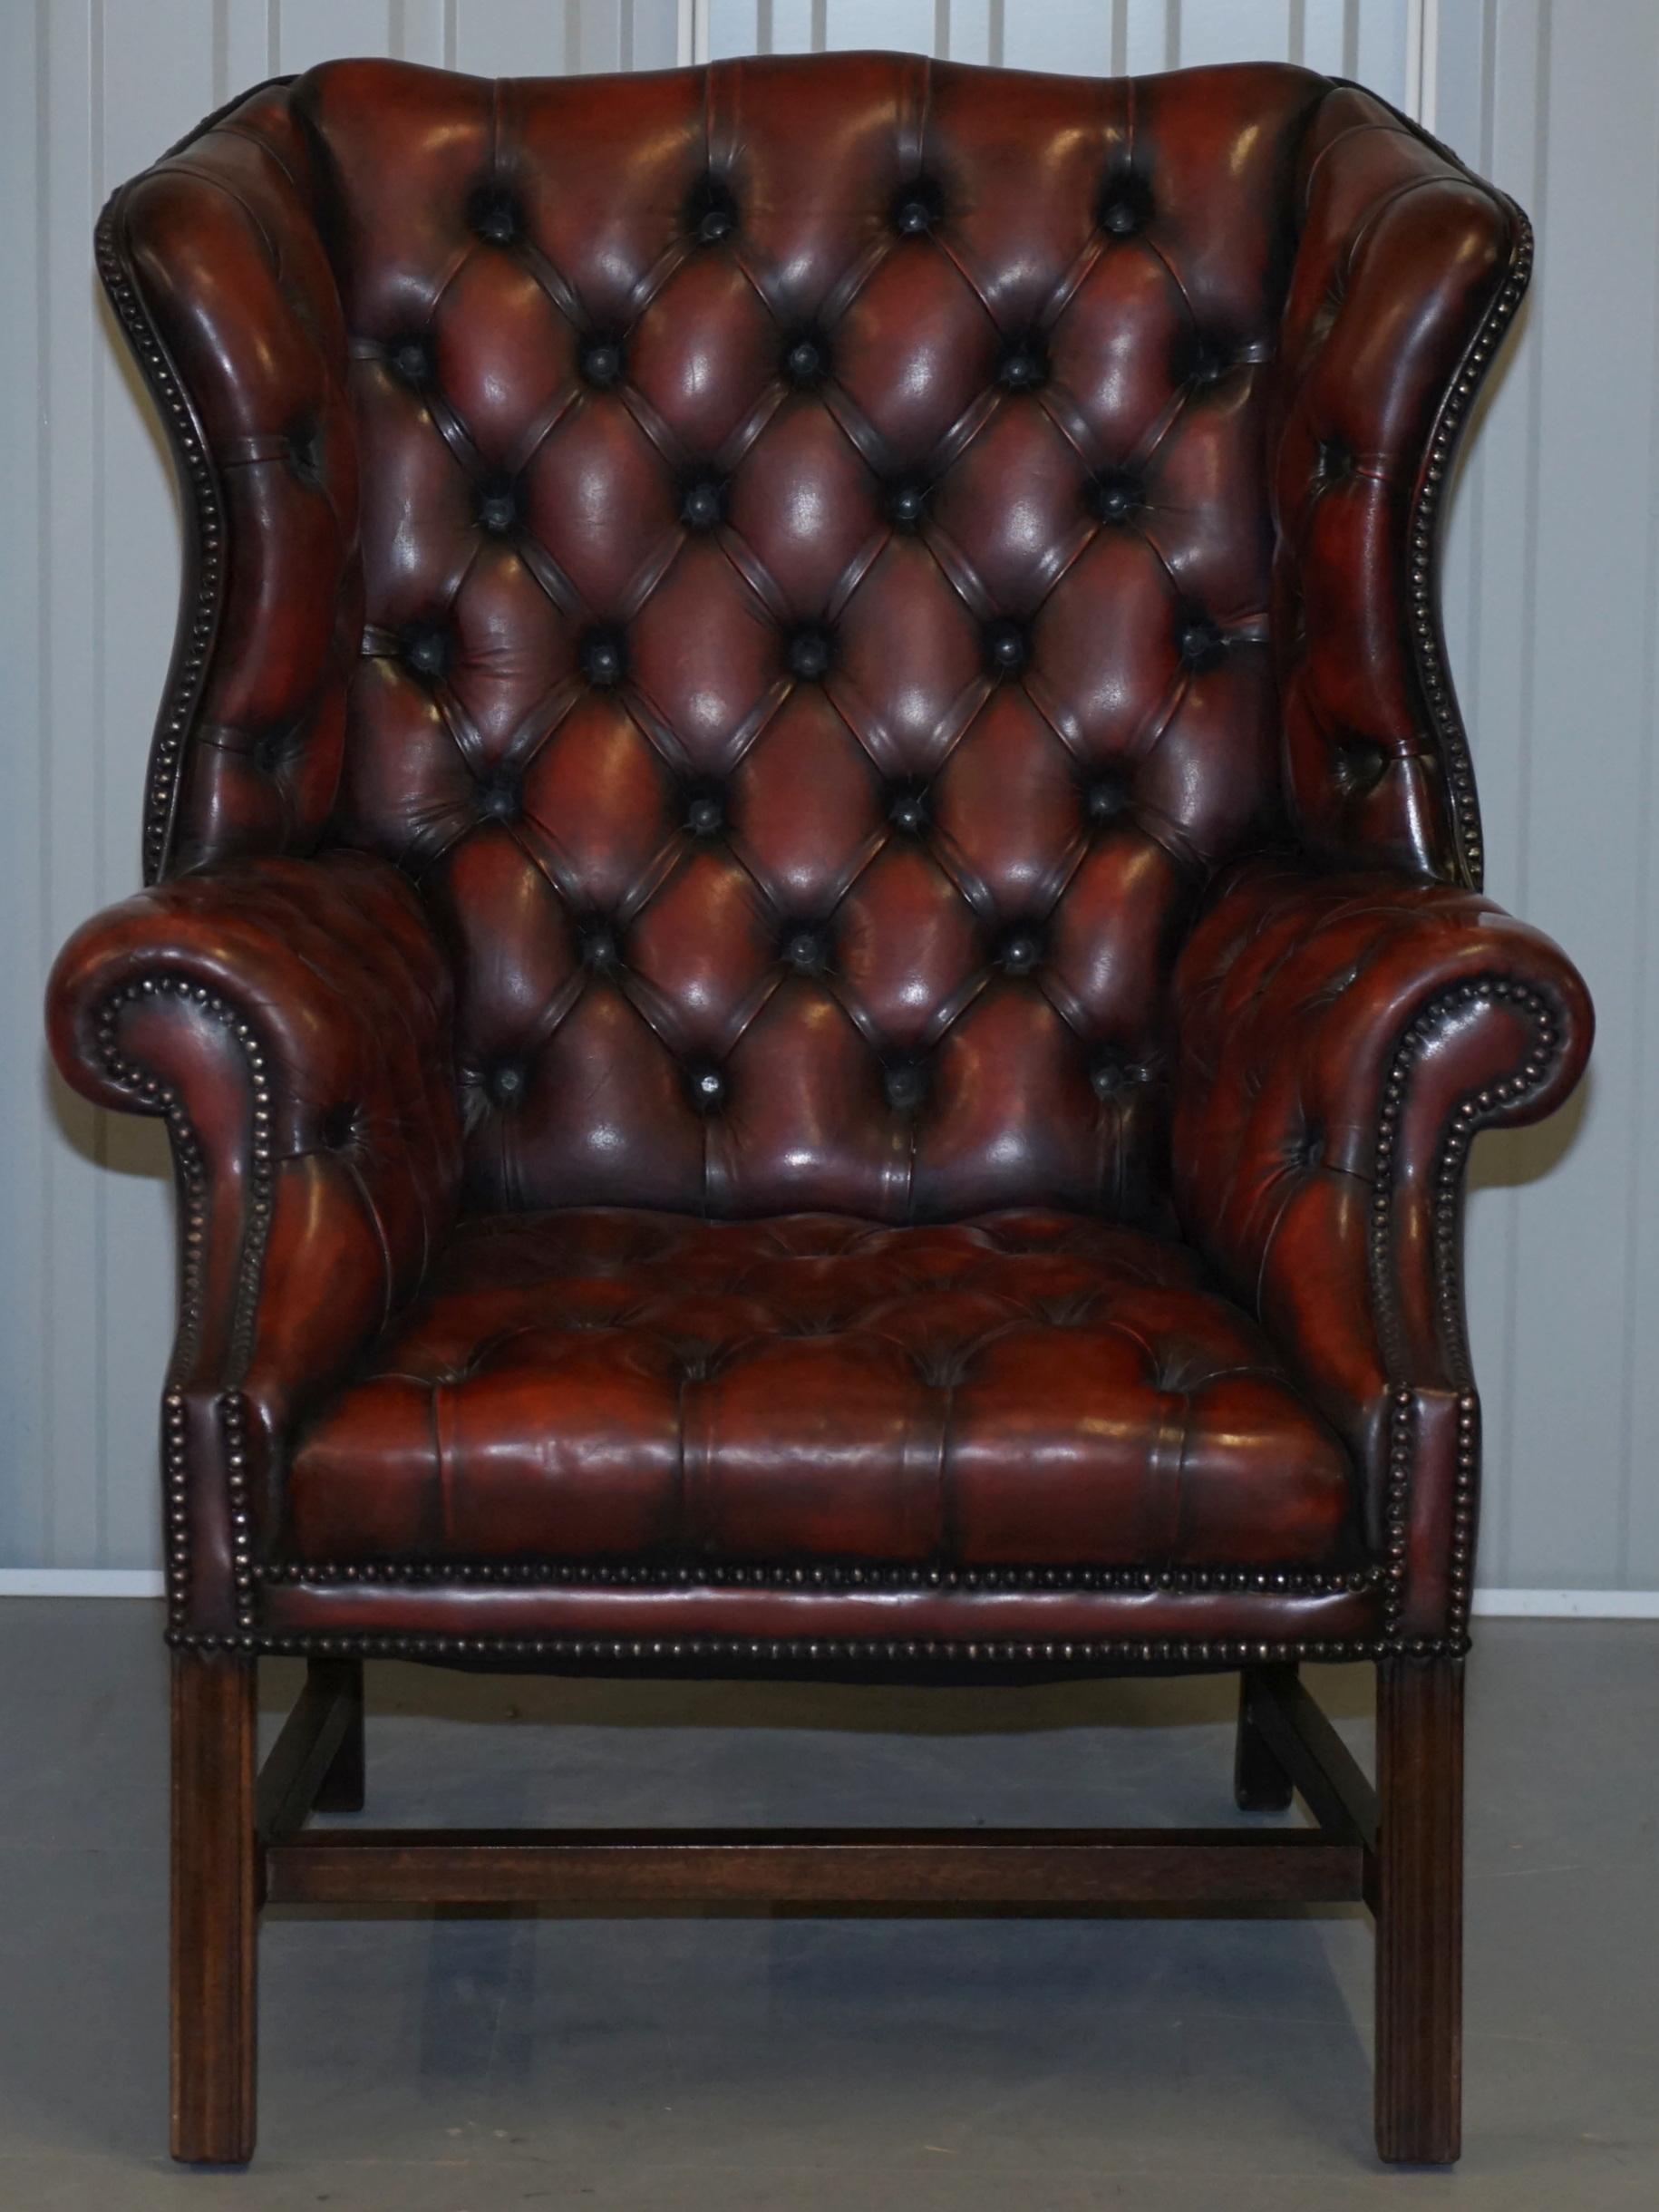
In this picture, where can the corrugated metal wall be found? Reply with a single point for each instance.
(1553, 580)
(1364, 38)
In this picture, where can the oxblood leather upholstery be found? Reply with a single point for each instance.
(1342, 1037)
(320, 1168)
(794, 578)
(1023, 1390)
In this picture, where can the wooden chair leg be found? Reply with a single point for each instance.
(340, 1789)
(214, 1909)
(1259, 1783)
(1419, 1910)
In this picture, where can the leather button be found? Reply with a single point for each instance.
(805, 360)
(1335, 460)
(905, 1082)
(1024, 364)
(495, 214)
(908, 809)
(1126, 207)
(809, 655)
(497, 505)
(1106, 795)
(707, 1086)
(603, 658)
(501, 799)
(339, 1128)
(1360, 764)
(1020, 950)
(1199, 641)
(303, 446)
(600, 362)
(702, 504)
(706, 812)
(1111, 1073)
(426, 648)
(916, 209)
(506, 1082)
(413, 360)
(1005, 647)
(807, 949)
(907, 503)
(598, 944)
(1116, 497)
(713, 213)
(1208, 364)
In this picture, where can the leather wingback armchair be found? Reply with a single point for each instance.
(813, 949)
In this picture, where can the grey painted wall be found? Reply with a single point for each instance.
(1553, 575)
(1553, 591)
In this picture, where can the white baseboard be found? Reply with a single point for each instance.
(80, 1582)
(1570, 1605)
(1497, 1604)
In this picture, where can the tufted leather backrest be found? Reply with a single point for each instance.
(797, 586)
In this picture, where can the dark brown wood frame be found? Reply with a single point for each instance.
(240, 1840)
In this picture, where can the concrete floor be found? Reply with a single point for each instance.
(666, 2065)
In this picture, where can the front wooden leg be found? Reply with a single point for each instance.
(1419, 1910)
(214, 1910)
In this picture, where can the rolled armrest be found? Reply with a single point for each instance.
(292, 1021)
(1340, 1040)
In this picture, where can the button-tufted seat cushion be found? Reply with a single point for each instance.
(813, 916)
(1025, 1388)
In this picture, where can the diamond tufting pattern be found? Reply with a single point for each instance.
(808, 530)
(739, 523)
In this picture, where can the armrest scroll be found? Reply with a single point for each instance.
(1341, 1038)
(292, 1021)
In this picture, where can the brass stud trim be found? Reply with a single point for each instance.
(1476, 1110)
(874, 1575)
(599, 1652)
(202, 599)
(150, 1094)
(1422, 549)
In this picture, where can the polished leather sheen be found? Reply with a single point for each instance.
(807, 804)
(620, 1384)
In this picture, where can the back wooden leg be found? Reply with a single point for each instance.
(1419, 1910)
(214, 1909)
(340, 1789)
(1259, 1783)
